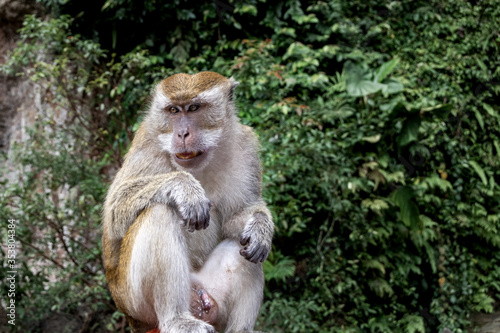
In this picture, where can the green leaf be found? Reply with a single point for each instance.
(376, 205)
(479, 118)
(288, 31)
(410, 215)
(362, 88)
(483, 302)
(479, 171)
(441, 111)
(434, 181)
(386, 69)
(283, 269)
(395, 106)
(358, 81)
(497, 146)
(437, 108)
(430, 254)
(392, 87)
(108, 4)
(489, 109)
(402, 194)
(409, 132)
(372, 139)
(413, 324)
(375, 264)
(247, 9)
(381, 287)
(402, 197)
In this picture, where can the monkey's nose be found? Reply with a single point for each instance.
(183, 133)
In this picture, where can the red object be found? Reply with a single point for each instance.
(154, 331)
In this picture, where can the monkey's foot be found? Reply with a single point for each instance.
(186, 324)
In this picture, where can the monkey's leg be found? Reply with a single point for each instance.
(155, 271)
(236, 284)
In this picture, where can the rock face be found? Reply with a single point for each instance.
(13, 11)
(486, 323)
(17, 107)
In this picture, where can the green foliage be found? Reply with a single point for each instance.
(380, 139)
(413, 324)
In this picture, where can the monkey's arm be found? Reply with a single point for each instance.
(253, 226)
(178, 189)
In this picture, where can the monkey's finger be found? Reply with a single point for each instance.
(203, 216)
(244, 240)
(257, 256)
(206, 222)
(202, 222)
(244, 253)
(261, 254)
(248, 255)
(264, 255)
(198, 224)
(192, 226)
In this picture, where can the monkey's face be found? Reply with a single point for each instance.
(192, 113)
(192, 133)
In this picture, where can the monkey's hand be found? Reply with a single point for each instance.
(192, 204)
(256, 237)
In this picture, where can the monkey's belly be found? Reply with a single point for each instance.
(201, 243)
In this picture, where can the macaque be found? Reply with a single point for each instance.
(185, 229)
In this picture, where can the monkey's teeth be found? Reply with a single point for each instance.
(188, 155)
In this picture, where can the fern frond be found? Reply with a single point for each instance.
(279, 271)
(413, 324)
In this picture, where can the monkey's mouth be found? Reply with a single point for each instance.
(188, 155)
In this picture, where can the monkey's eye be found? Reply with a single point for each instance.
(193, 107)
(173, 109)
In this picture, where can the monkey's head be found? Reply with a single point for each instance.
(190, 116)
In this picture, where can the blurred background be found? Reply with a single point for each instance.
(380, 130)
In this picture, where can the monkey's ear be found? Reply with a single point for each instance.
(234, 84)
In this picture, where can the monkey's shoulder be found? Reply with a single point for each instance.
(249, 136)
(247, 130)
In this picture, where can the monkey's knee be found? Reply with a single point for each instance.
(227, 256)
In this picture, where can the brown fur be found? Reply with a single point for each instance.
(184, 87)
